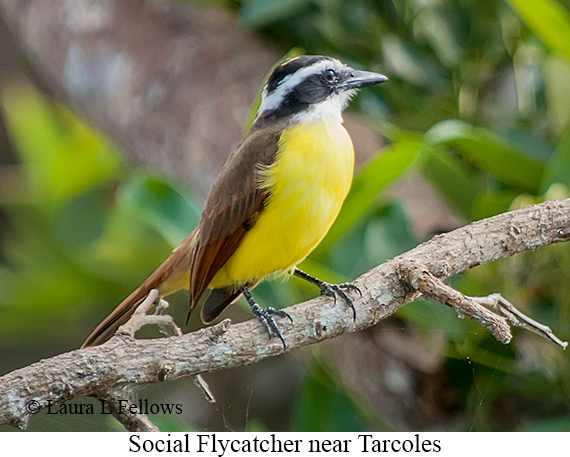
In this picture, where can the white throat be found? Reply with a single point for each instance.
(328, 110)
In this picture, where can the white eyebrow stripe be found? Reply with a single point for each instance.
(272, 101)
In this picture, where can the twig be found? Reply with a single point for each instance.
(205, 388)
(433, 288)
(517, 318)
(140, 318)
(167, 327)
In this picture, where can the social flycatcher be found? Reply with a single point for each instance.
(274, 200)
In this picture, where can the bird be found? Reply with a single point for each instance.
(274, 200)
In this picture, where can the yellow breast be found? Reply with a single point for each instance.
(309, 182)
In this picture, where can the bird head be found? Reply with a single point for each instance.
(311, 88)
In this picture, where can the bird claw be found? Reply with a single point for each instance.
(334, 290)
(264, 316)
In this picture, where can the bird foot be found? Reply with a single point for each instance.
(265, 316)
(334, 290)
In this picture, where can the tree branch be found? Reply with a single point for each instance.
(125, 362)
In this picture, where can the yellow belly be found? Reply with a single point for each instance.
(309, 182)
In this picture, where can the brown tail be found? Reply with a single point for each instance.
(169, 277)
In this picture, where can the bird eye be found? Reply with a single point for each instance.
(329, 75)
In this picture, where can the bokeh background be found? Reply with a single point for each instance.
(474, 121)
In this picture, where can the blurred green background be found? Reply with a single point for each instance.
(477, 109)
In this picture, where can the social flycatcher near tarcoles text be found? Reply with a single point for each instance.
(274, 200)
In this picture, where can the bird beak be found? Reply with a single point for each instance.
(358, 79)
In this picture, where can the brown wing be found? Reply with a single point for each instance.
(232, 208)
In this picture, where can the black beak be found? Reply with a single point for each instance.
(358, 79)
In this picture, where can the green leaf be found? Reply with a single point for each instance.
(549, 20)
(558, 167)
(381, 236)
(439, 25)
(384, 169)
(557, 75)
(167, 209)
(81, 220)
(490, 152)
(405, 62)
(452, 178)
(323, 406)
(64, 156)
(260, 13)
(429, 316)
(491, 203)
